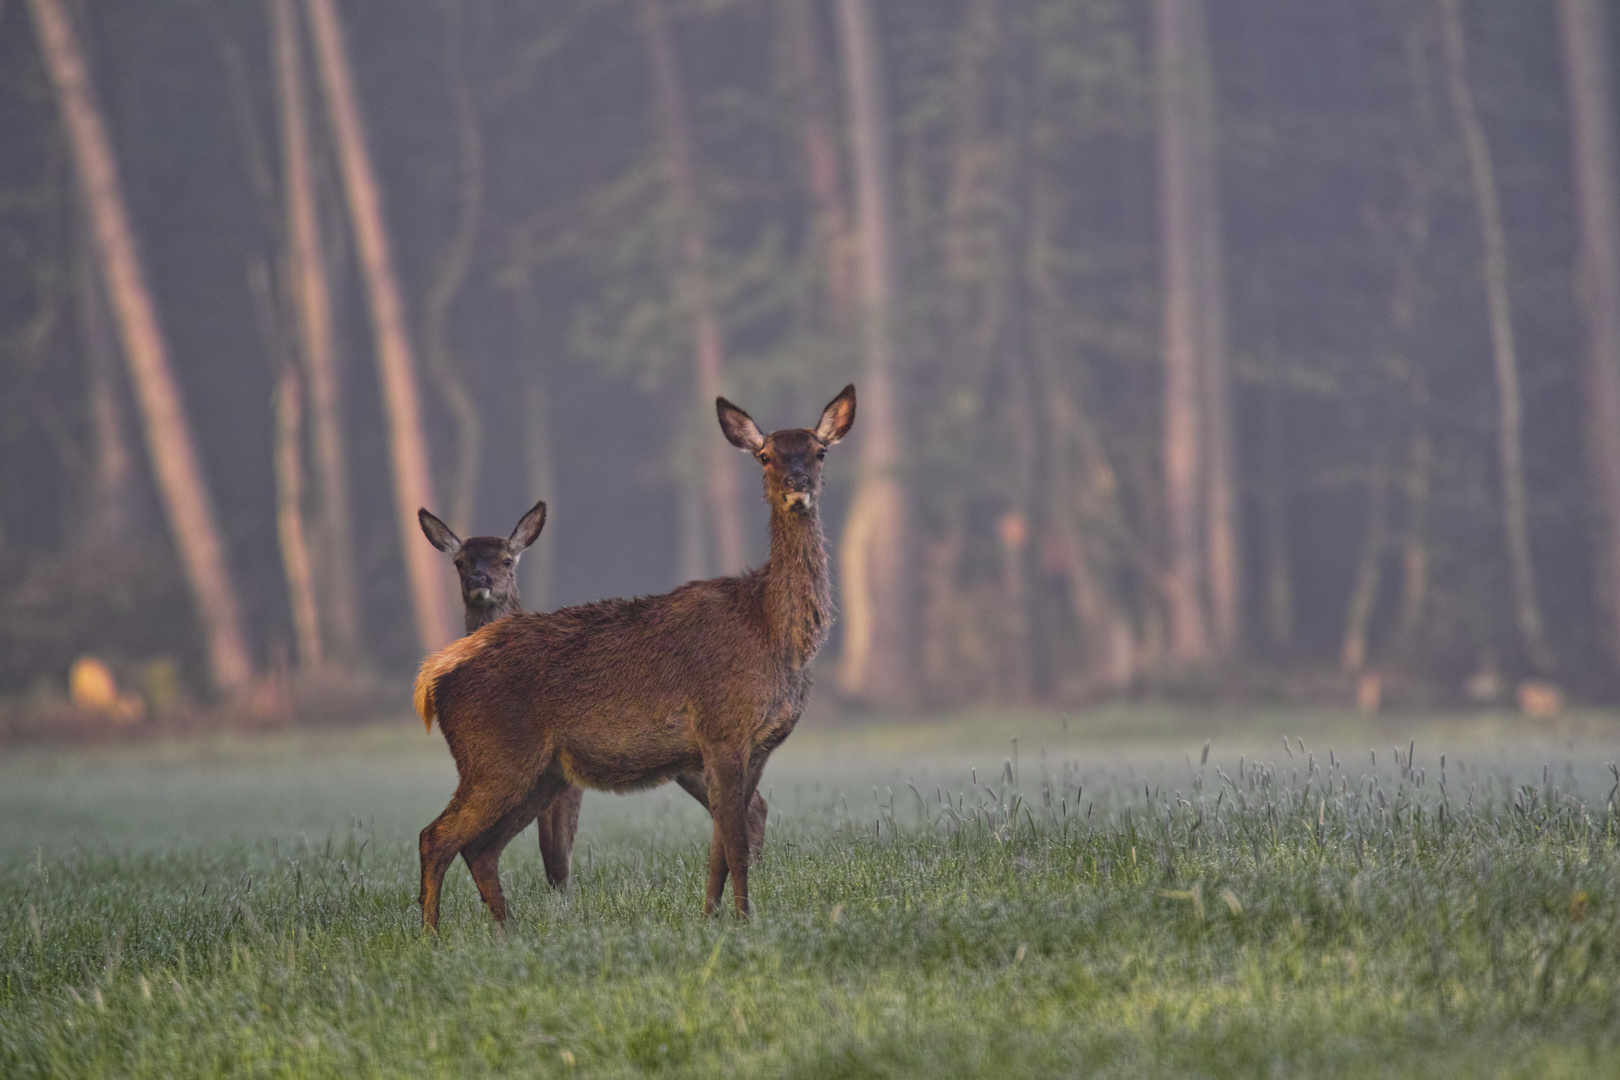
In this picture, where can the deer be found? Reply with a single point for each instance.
(622, 695)
(486, 567)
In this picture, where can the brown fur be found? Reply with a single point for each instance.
(627, 694)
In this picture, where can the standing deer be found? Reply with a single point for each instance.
(626, 694)
(487, 569)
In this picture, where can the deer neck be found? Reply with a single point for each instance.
(798, 590)
(483, 616)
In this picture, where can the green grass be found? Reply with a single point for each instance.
(934, 900)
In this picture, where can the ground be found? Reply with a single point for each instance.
(994, 894)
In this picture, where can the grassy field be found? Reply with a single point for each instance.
(991, 895)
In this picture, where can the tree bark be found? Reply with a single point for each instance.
(1185, 161)
(413, 483)
(696, 291)
(823, 169)
(1510, 436)
(447, 283)
(180, 483)
(1369, 573)
(295, 559)
(876, 664)
(309, 292)
(1589, 88)
(110, 510)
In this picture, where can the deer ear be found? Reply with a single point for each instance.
(838, 417)
(438, 533)
(740, 429)
(528, 529)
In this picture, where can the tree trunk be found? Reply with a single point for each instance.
(1279, 581)
(823, 170)
(307, 289)
(1510, 436)
(110, 510)
(693, 286)
(540, 561)
(447, 283)
(287, 460)
(876, 664)
(1369, 573)
(413, 484)
(290, 518)
(168, 433)
(1597, 210)
(1185, 160)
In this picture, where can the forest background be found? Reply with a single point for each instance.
(1244, 349)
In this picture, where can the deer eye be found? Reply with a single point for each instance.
(764, 458)
(506, 561)
(821, 455)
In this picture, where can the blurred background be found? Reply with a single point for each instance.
(1239, 350)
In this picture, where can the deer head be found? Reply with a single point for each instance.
(486, 565)
(792, 457)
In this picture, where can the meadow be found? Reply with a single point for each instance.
(984, 895)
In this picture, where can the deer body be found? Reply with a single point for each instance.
(486, 567)
(625, 694)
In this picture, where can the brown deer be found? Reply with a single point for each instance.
(487, 569)
(626, 694)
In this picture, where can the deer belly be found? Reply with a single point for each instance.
(636, 757)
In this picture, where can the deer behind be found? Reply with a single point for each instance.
(486, 567)
(626, 694)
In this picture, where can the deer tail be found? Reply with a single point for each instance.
(437, 666)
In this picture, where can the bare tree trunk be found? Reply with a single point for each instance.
(290, 518)
(1185, 157)
(110, 512)
(1369, 572)
(1510, 436)
(168, 433)
(288, 466)
(823, 170)
(413, 483)
(877, 663)
(1415, 542)
(310, 294)
(453, 268)
(1279, 584)
(1597, 209)
(693, 284)
(540, 561)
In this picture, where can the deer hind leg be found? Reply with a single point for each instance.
(483, 854)
(695, 786)
(557, 827)
(472, 812)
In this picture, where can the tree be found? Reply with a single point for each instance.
(876, 664)
(413, 484)
(696, 293)
(1589, 89)
(186, 503)
(307, 289)
(1504, 352)
(1202, 590)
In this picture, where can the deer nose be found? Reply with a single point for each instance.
(798, 482)
(477, 580)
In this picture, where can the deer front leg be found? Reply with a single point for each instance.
(694, 785)
(557, 828)
(728, 803)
